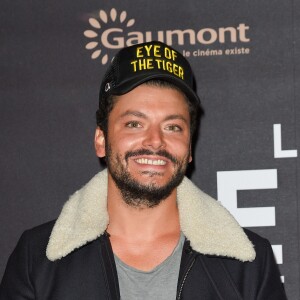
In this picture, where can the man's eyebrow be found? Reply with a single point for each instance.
(176, 117)
(135, 113)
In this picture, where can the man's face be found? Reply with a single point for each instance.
(147, 147)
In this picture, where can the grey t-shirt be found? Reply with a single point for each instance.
(160, 283)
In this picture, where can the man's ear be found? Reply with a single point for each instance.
(99, 142)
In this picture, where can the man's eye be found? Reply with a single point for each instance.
(174, 128)
(133, 124)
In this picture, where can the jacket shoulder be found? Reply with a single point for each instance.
(39, 234)
(260, 243)
(41, 229)
(33, 242)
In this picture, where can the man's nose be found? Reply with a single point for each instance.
(154, 138)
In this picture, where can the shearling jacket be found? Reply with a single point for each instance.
(72, 259)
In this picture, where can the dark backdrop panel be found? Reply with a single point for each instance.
(247, 78)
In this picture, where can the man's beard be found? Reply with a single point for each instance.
(143, 195)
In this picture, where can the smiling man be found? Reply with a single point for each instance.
(148, 144)
(141, 229)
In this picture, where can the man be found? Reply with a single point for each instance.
(140, 230)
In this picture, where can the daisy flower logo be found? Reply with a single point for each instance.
(103, 25)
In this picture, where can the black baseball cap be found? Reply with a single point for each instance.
(139, 63)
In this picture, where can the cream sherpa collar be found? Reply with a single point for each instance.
(209, 226)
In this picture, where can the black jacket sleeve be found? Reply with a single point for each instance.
(16, 283)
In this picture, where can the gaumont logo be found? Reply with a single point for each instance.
(114, 30)
(111, 36)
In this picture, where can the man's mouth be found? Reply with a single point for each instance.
(159, 162)
(155, 162)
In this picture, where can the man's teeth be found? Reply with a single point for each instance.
(156, 162)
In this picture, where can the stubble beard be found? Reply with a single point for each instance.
(139, 195)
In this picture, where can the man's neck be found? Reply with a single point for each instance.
(142, 237)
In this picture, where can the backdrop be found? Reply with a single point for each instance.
(245, 55)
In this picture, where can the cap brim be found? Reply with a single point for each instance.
(132, 83)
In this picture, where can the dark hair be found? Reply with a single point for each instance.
(106, 105)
